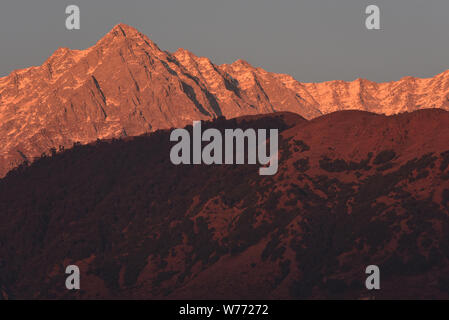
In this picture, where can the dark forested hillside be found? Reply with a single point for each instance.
(353, 189)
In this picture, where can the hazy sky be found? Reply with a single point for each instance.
(313, 40)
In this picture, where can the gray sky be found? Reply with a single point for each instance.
(313, 40)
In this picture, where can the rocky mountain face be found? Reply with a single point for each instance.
(125, 86)
(353, 189)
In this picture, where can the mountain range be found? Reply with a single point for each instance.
(125, 85)
(86, 179)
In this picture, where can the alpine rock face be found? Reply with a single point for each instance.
(126, 86)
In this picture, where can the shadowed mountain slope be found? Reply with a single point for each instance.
(353, 189)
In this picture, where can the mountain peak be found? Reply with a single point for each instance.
(242, 62)
(182, 53)
(125, 30)
(122, 32)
